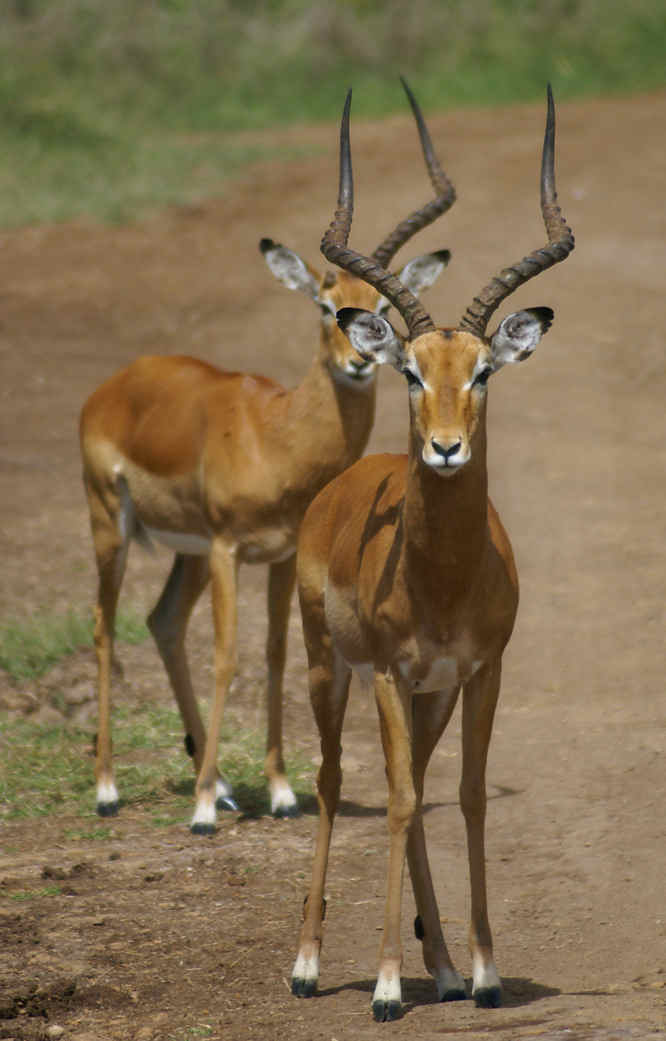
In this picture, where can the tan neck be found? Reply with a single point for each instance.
(336, 416)
(446, 523)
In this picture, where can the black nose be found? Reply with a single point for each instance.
(446, 452)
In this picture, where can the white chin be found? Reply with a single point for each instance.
(443, 470)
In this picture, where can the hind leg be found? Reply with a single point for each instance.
(431, 713)
(329, 678)
(281, 579)
(110, 532)
(168, 623)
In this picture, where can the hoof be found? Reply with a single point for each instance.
(225, 802)
(200, 828)
(107, 809)
(488, 997)
(386, 1011)
(454, 994)
(302, 988)
(287, 812)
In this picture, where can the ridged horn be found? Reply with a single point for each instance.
(334, 245)
(559, 246)
(445, 193)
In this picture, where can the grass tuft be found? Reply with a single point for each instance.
(29, 647)
(48, 769)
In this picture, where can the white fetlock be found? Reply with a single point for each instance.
(204, 819)
(107, 798)
(450, 985)
(387, 998)
(305, 975)
(486, 986)
(224, 799)
(283, 801)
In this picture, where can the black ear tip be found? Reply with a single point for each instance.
(346, 315)
(266, 244)
(444, 255)
(545, 316)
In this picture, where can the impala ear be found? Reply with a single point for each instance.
(518, 334)
(289, 269)
(422, 272)
(371, 335)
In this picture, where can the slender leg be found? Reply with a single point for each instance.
(395, 717)
(224, 572)
(431, 715)
(168, 623)
(479, 702)
(282, 577)
(329, 690)
(111, 540)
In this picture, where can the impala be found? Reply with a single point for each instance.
(406, 574)
(220, 467)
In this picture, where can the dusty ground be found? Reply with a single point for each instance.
(158, 935)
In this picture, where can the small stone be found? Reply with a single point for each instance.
(54, 1031)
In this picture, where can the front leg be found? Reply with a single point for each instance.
(479, 702)
(281, 580)
(224, 575)
(395, 717)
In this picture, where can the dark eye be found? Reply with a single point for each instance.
(482, 377)
(412, 380)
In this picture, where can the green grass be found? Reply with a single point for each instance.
(29, 647)
(111, 110)
(47, 770)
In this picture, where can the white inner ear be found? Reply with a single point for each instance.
(374, 338)
(420, 273)
(289, 269)
(515, 338)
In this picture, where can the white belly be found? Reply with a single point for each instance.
(194, 545)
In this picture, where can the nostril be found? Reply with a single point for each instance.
(446, 452)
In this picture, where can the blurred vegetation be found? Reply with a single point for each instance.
(29, 647)
(110, 108)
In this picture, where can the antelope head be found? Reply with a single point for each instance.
(447, 369)
(334, 290)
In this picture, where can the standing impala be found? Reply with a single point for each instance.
(406, 574)
(220, 467)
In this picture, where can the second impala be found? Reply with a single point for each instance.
(220, 467)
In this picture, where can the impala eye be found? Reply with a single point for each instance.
(482, 377)
(412, 379)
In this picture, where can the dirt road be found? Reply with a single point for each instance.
(157, 935)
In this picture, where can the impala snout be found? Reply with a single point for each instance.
(359, 370)
(446, 454)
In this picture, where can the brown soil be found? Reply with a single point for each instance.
(158, 935)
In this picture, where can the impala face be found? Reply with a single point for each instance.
(336, 290)
(447, 371)
(339, 290)
(447, 374)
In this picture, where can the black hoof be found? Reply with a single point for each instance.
(287, 812)
(301, 988)
(488, 997)
(386, 1011)
(202, 829)
(454, 994)
(107, 809)
(225, 802)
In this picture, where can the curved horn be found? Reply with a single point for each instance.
(559, 246)
(445, 193)
(334, 246)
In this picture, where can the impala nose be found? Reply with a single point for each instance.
(446, 453)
